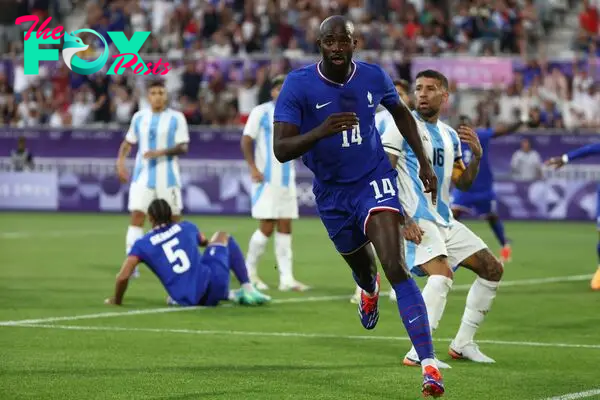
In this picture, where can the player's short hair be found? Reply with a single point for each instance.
(403, 83)
(155, 83)
(278, 80)
(430, 73)
(160, 212)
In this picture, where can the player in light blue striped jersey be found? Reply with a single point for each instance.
(161, 136)
(435, 241)
(274, 198)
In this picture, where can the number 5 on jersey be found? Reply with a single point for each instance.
(354, 134)
(177, 257)
(386, 185)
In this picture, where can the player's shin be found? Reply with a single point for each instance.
(435, 295)
(256, 248)
(498, 229)
(283, 254)
(133, 234)
(413, 312)
(236, 262)
(479, 302)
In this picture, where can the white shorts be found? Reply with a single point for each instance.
(140, 197)
(274, 202)
(456, 242)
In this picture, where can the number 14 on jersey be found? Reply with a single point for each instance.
(353, 134)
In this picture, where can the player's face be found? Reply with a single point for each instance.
(157, 96)
(403, 95)
(430, 95)
(337, 46)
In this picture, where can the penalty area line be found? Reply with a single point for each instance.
(296, 335)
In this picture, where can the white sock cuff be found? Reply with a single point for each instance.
(136, 230)
(259, 237)
(488, 284)
(440, 282)
(283, 237)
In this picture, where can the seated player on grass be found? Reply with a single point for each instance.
(190, 277)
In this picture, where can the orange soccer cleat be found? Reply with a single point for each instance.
(506, 254)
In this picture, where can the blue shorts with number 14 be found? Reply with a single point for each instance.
(345, 210)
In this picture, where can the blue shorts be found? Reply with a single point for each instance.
(216, 258)
(345, 210)
(478, 204)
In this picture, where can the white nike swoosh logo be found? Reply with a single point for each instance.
(410, 321)
(381, 201)
(319, 106)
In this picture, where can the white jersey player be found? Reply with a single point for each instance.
(436, 243)
(161, 135)
(274, 199)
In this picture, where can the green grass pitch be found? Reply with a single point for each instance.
(544, 336)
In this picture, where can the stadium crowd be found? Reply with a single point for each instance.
(266, 37)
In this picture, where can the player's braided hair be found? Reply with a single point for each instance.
(160, 212)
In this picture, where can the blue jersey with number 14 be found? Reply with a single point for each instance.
(307, 98)
(172, 253)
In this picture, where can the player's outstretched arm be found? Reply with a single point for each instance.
(122, 280)
(289, 144)
(581, 152)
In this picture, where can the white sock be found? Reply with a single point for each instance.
(435, 294)
(256, 247)
(283, 254)
(133, 234)
(479, 302)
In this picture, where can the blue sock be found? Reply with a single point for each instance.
(498, 228)
(368, 286)
(236, 261)
(598, 248)
(414, 316)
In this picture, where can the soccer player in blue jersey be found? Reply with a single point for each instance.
(190, 278)
(558, 162)
(161, 136)
(325, 113)
(480, 199)
(435, 241)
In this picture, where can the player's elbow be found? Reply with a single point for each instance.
(281, 154)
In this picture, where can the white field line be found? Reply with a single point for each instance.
(292, 335)
(158, 311)
(574, 396)
(54, 234)
(523, 282)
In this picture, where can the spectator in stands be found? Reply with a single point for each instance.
(21, 157)
(526, 163)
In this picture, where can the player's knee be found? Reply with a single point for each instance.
(267, 226)
(438, 266)
(493, 271)
(137, 218)
(284, 226)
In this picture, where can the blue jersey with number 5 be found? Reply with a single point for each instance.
(172, 253)
(307, 98)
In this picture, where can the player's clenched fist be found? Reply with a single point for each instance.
(337, 123)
